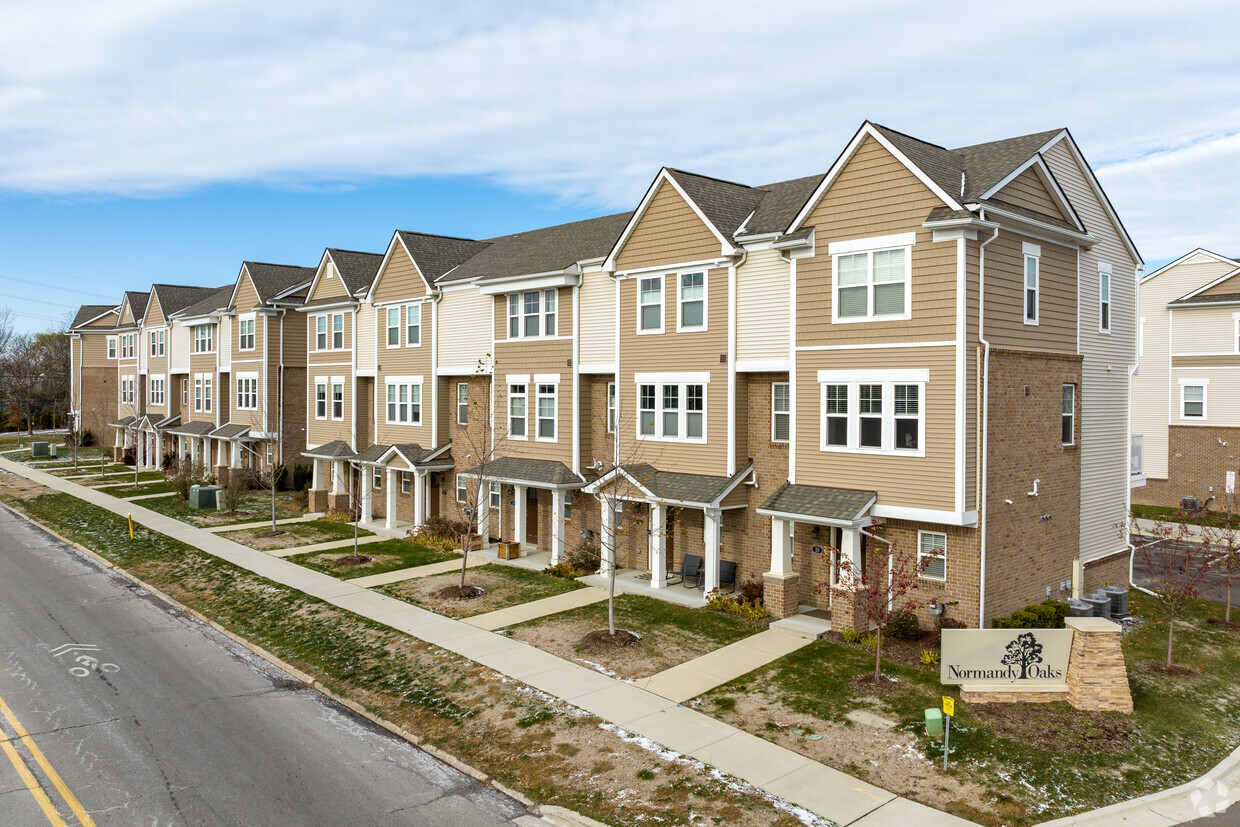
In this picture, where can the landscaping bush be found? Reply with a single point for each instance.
(88, 439)
(431, 539)
(303, 477)
(444, 527)
(929, 657)
(234, 493)
(719, 602)
(753, 591)
(851, 636)
(950, 623)
(1048, 614)
(565, 571)
(338, 516)
(902, 625)
(585, 557)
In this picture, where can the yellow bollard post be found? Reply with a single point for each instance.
(130, 516)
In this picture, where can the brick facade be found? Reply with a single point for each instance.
(1195, 461)
(1109, 571)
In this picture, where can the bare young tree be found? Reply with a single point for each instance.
(1176, 560)
(476, 448)
(286, 440)
(1225, 544)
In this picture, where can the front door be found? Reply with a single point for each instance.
(432, 506)
(669, 533)
(531, 516)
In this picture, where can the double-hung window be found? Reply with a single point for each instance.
(247, 392)
(127, 390)
(111, 347)
(320, 397)
(337, 331)
(202, 392)
(549, 312)
(245, 333)
(1033, 263)
(872, 278)
(546, 412)
(337, 397)
(494, 494)
(157, 390)
(157, 343)
(1104, 297)
(1068, 424)
(405, 479)
(203, 338)
(393, 327)
(462, 403)
(516, 411)
(185, 391)
(611, 407)
(413, 325)
(672, 407)
(404, 400)
(650, 305)
(932, 554)
(462, 488)
(691, 308)
(1193, 399)
(781, 412)
(879, 411)
(532, 314)
(320, 333)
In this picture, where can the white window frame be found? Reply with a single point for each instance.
(247, 391)
(185, 392)
(243, 320)
(933, 553)
(662, 303)
(204, 343)
(157, 343)
(1104, 297)
(462, 403)
(1068, 415)
(203, 392)
(323, 336)
(888, 379)
(1031, 252)
(1235, 339)
(334, 332)
(321, 391)
(611, 407)
(776, 413)
(524, 396)
(493, 494)
(547, 314)
(868, 247)
(413, 311)
(462, 489)
(376, 481)
(402, 395)
(114, 347)
(406, 480)
(682, 382)
(337, 382)
(128, 390)
(539, 395)
(157, 389)
(1185, 384)
(392, 319)
(681, 327)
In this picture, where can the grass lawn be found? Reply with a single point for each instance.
(389, 555)
(125, 476)
(1217, 519)
(670, 634)
(254, 507)
(125, 491)
(505, 586)
(295, 534)
(1012, 764)
(528, 741)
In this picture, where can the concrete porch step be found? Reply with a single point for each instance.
(802, 626)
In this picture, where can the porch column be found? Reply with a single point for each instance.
(557, 525)
(236, 454)
(607, 551)
(658, 545)
(518, 514)
(317, 483)
(419, 499)
(483, 517)
(712, 530)
(338, 478)
(193, 452)
(159, 450)
(781, 546)
(393, 482)
(368, 487)
(781, 585)
(850, 547)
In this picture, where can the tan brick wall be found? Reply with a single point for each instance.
(1109, 571)
(1195, 461)
(961, 585)
(1011, 697)
(98, 391)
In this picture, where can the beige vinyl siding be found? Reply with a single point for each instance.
(668, 232)
(1104, 399)
(1203, 330)
(94, 351)
(368, 347)
(904, 481)
(322, 357)
(329, 285)
(126, 313)
(563, 320)
(154, 312)
(1230, 360)
(1027, 190)
(465, 329)
(203, 363)
(1005, 300)
(400, 279)
(874, 195)
(1225, 287)
(1222, 403)
(178, 348)
(224, 343)
(107, 321)
(973, 359)
(246, 300)
(762, 306)
(694, 352)
(322, 431)
(598, 319)
(404, 361)
(742, 422)
(535, 357)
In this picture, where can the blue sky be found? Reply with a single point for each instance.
(168, 140)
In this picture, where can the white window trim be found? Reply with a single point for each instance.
(1073, 415)
(462, 407)
(406, 481)
(241, 320)
(508, 412)
(888, 379)
(681, 382)
(555, 411)
(156, 340)
(494, 493)
(210, 338)
(941, 555)
(611, 407)
(331, 398)
(705, 325)
(314, 332)
(246, 378)
(388, 327)
(1235, 339)
(325, 381)
(869, 246)
(1104, 274)
(662, 304)
(462, 488)
(787, 413)
(204, 402)
(331, 331)
(114, 347)
(542, 314)
(1204, 384)
(1031, 251)
(417, 310)
(157, 380)
(408, 382)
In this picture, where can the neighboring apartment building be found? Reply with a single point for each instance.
(199, 337)
(1186, 393)
(129, 400)
(92, 376)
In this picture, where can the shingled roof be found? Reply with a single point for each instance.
(216, 299)
(357, 270)
(436, 255)
(533, 471)
(272, 279)
(839, 505)
(87, 312)
(137, 303)
(546, 250)
(177, 297)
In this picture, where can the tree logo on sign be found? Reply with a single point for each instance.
(1024, 652)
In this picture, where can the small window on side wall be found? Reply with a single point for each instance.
(1068, 434)
(1193, 401)
(781, 412)
(932, 554)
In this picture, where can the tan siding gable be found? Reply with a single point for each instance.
(154, 313)
(1027, 190)
(667, 233)
(1057, 292)
(329, 285)
(399, 279)
(1229, 285)
(126, 313)
(107, 321)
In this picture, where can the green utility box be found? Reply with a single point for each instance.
(203, 496)
(38, 449)
(934, 722)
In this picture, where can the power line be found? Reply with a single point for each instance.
(43, 284)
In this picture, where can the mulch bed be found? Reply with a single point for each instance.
(602, 640)
(350, 560)
(1160, 668)
(460, 592)
(1218, 624)
(903, 652)
(870, 684)
(1059, 727)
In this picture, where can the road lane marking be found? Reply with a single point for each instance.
(79, 812)
(31, 784)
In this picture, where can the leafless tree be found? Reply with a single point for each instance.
(477, 447)
(1225, 562)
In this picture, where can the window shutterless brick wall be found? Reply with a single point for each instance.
(1195, 461)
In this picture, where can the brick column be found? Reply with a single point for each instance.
(1097, 676)
(781, 593)
(843, 605)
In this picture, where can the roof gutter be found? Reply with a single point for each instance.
(1048, 231)
(981, 337)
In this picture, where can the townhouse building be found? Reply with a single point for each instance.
(1186, 392)
(93, 351)
(129, 402)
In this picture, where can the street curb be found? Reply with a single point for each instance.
(559, 816)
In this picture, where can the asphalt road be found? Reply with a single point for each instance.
(156, 719)
(1211, 587)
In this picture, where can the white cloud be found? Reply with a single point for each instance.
(586, 101)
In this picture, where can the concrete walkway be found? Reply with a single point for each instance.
(779, 771)
(328, 546)
(149, 496)
(693, 677)
(224, 529)
(388, 577)
(1147, 528)
(503, 618)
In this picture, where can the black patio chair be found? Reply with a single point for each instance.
(727, 574)
(690, 567)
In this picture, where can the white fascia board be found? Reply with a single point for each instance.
(1039, 229)
(832, 377)
(534, 281)
(726, 247)
(1206, 287)
(1185, 257)
(808, 520)
(763, 365)
(660, 269)
(925, 515)
(878, 242)
(344, 304)
(1048, 180)
(596, 368)
(671, 378)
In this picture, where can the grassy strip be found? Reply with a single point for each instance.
(311, 532)
(1217, 519)
(390, 555)
(507, 586)
(125, 491)
(522, 738)
(651, 618)
(256, 508)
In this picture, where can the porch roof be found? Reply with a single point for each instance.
(193, 429)
(818, 504)
(336, 449)
(673, 487)
(413, 454)
(124, 422)
(167, 422)
(371, 455)
(230, 431)
(539, 473)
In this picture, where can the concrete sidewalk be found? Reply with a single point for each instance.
(779, 771)
(149, 496)
(503, 618)
(702, 674)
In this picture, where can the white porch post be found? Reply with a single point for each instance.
(850, 547)
(236, 454)
(781, 546)
(658, 545)
(193, 451)
(368, 487)
(393, 480)
(712, 527)
(338, 478)
(518, 514)
(317, 467)
(159, 450)
(607, 565)
(484, 512)
(419, 499)
(557, 525)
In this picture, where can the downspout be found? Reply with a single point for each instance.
(576, 351)
(981, 337)
(732, 268)
(435, 297)
(1132, 370)
(792, 365)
